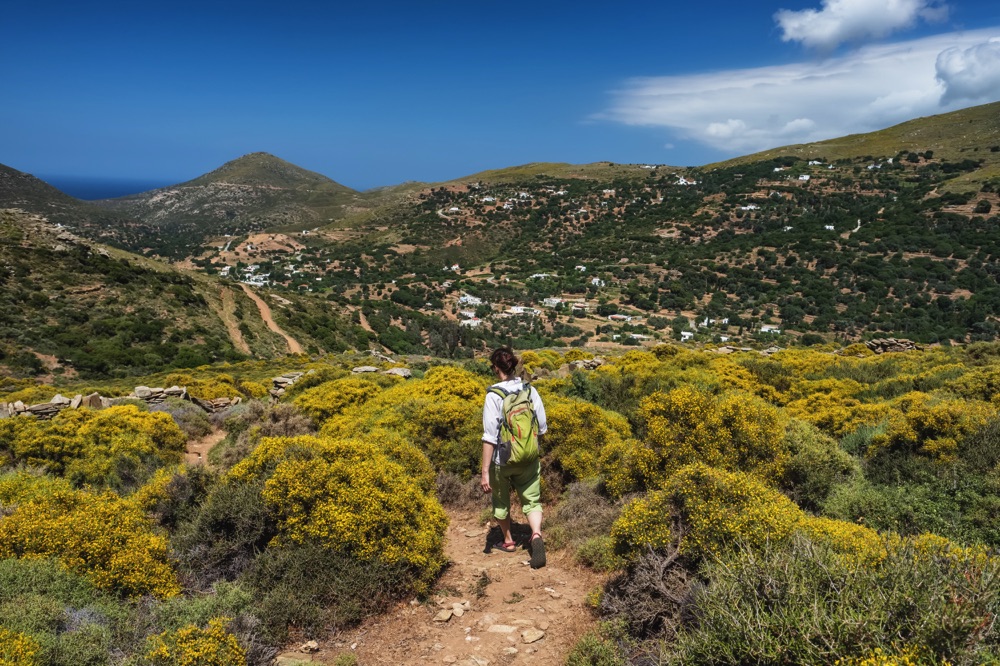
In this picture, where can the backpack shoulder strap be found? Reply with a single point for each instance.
(500, 391)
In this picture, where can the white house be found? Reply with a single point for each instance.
(562, 193)
(815, 163)
(467, 314)
(686, 181)
(724, 338)
(225, 271)
(750, 207)
(469, 299)
(582, 269)
(608, 192)
(489, 199)
(454, 209)
(471, 323)
(552, 302)
(804, 177)
(539, 276)
(828, 227)
(686, 335)
(769, 328)
(787, 228)
(597, 282)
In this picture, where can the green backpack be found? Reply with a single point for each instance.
(518, 427)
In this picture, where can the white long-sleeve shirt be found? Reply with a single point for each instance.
(493, 410)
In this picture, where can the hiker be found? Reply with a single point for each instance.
(513, 422)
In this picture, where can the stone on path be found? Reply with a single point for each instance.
(532, 635)
(502, 629)
(444, 615)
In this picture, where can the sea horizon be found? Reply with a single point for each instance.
(89, 188)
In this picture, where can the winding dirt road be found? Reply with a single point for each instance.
(265, 313)
(229, 319)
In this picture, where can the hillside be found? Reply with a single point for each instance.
(762, 250)
(251, 193)
(72, 307)
(972, 133)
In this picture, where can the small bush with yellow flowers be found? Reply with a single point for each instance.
(716, 508)
(351, 496)
(322, 402)
(118, 447)
(440, 413)
(17, 649)
(196, 646)
(101, 536)
(577, 432)
(734, 431)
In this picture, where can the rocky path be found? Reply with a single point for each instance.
(265, 313)
(488, 608)
(197, 449)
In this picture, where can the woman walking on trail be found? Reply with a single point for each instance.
(499, 474)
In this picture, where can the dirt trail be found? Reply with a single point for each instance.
(229, 319)
(516, 605)
(197, 449)
(265, 313)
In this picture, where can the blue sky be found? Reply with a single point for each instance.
(374, 94)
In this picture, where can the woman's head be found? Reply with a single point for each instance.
(503, 359)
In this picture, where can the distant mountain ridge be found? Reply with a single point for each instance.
(246, 195)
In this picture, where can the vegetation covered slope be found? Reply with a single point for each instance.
(69, 305)
(965, 134)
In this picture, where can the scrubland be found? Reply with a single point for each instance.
(814, 506)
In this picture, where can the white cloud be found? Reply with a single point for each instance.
(971, 74)
(744, 110)
(841, 21)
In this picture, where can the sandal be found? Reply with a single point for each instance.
(537, 547)
(506, 546)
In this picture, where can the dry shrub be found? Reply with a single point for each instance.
(455, 493)
(247, 426)
(653, 596)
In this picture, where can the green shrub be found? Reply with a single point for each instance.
(803, 603)
(604, 646)
(231, 527)
(315, 589)
(815, 465)
(191, 419)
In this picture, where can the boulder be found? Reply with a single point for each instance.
(142, 392)
(60, 400)
(405, 373)
(93, 401)
(76, 401)
(364, 368)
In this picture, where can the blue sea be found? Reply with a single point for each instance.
(90, 189)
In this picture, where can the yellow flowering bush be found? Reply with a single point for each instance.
(31, 395)
(932, 426)
(576, 355)
(577, 432)
(332, 398)
(219, 386)
(441, 413)
(17, 649)
(101, 536)
(194, 646)
(349, 496)
(252, 389)
(734, 431)
(628, 465)
(118, 445)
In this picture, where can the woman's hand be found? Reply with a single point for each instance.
(484, 482)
